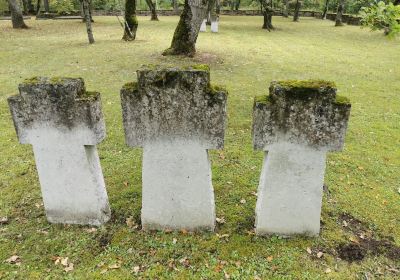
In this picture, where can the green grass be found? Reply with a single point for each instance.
(363, 180)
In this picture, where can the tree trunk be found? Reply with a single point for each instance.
(38, 7)
(17, 18)
(296, 11)
(90, 11)
(153, 10)
(218, 7)
(46, 6)
(286, 9)
(86, 11)
(267, 13)
(131, 23)
(325, 9)
(185, 36)
(210, 11)
(175, 6)
(339, 13)
(237, 5)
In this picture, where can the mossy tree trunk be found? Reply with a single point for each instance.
(339, 13)
(285, 8)
(325, 9)
(131, 23)
(267, 13)
(185, 36)
(153, 10)
(297, 10)
(86, 11)
(17, 18)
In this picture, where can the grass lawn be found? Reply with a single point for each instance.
(361, 210)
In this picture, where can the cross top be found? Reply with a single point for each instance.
(173, 103)
(61, 103)
(302, 112)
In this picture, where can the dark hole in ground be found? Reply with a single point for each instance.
(351, 252)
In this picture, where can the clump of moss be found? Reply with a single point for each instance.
(88, 96)
(56, 80)
(342, 100)
(306, 84)
(213, 89)
(32, 81)
(203, 67)
(130, 86)
(262, 99)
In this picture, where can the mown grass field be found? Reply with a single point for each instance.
(361, 211)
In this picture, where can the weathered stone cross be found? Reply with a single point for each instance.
(176, 116)
(63, 122)
(298, 123)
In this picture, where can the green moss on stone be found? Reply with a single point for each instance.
(203, 67)
(306, 84)
(88, 96)
(262, 99)
(32, 81)
(213, 89)
(130, 86)
(342, 100)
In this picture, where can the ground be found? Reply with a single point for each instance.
(361, 211)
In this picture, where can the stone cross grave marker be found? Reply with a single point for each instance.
(64, 123)
(297, 123)
(176, 116)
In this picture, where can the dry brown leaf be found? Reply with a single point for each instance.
(136, 269)
(319, 255)
(126, 183)
(103, 271)
(14, 259)
(69, 268)
(220, 220)
(130, 222)
(270, 258)
(184, 231)
(114, 266)
(243, 201)
(309, 250)
(226, 275)
(91, 230)
(3, 220)
(328, 270)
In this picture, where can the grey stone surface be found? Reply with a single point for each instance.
(63, 123)
(176, 116)
(298, 123)
(301, 112)
(174, 103)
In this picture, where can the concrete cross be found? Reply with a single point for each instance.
(297, 123)
(63, 123)
(176, 116)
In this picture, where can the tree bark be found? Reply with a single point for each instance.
(325, 9)
(237, 5)
(131, 23)
(339, 13)
(86, 11)
(153, 10)
(46, 6)
(211, 14)
(17, 18)
(185, 36)
(38, 7)
(285, 9)
(296, 11)
(267, 13)
(175, 6)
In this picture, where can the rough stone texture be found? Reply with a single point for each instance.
(298, 123)
(63, 122)
(301, 112)
(176, 115)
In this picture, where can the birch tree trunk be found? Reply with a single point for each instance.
(17, 18)
(131, 23)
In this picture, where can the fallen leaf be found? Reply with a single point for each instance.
(3, 220)
(243, 201)
(174, 240)
(136, 269)
(270, 258)
(254, 193)
(114, 266)
(14, 260)
(91, 230)
(226, 275)
(220, 236)
(184, 231)
(100, 264)
(344, 223)
(103, 271)
(309, 250)
(328, 270)
(221, 155)
(126, 184)
(69, 268)
(130, 222)
(319, 255)
(64, 261)
(220, 220)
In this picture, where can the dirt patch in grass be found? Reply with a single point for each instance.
(365, 242)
